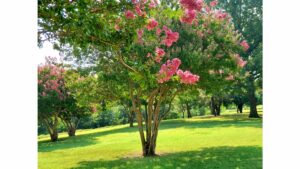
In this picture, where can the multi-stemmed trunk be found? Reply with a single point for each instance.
(54, 136)
(51, 124)
(152, 116)
(71, 131)
(71, 123)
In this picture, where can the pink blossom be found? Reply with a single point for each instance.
(165, 28)
(134, 1)
(140, 33)
(157, 59)
(171, 36)
(152, 4)
(240, 62)
(213, 3)
(168, 69)
(148, 55)
(189, 16)
(245, 45)
(200, 34)
(159, 52)
(220, 15)
(139, 11)
(187, 77)
(117, 27)
(158, 31)
(192, 4)
(152, 23)
(207, 8)
(129, 14)
(50, 77)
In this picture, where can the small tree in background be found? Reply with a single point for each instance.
(51, 95)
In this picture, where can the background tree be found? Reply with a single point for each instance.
(189, 99)
(247, 19)
(83, 97)
(51, 95)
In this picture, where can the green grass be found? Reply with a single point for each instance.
(228, 142)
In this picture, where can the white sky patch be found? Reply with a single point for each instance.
(47, 50)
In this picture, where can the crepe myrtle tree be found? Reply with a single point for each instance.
(164, 50)
(197, 38)
(51, 95)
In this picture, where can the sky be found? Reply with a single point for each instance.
(46, 50)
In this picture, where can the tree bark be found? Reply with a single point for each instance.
(252, 98)
(71, 131)
(152, 119)
(71, 123)
(188, 109)
(52, 128)
(215, 106)
(240, 108)
(218, 109)
(131, 118)
(54, 136)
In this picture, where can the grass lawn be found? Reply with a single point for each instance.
(232, 141)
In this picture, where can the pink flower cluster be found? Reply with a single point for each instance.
(192, 4)
(220, 14)
(152, 23)
(159, 54)
(171, 68)
(51, 78)
(129, 14)
(189, 16)
(168, 69)
(158, 31)
(245, 45)
(117, 27)
(213, 3)
(186, 77)
(240, 62)
(140, 33)
(139, 7)
(153, 4)
(171, 37)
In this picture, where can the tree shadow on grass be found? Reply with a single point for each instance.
(242, 157)
(211, 123)
(79, 140)
(90, 139)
